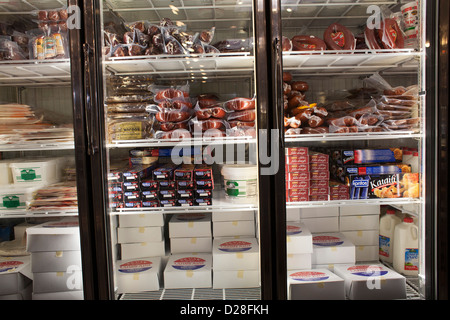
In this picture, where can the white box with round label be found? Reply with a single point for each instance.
(372, 281)
(188, 270)
(137, 275)
(224, 279)
(315, 284)
(193, 244)
(239, 253)
(332, 248)
(190, 225)
(298, 238)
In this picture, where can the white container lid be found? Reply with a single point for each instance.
(240, 171)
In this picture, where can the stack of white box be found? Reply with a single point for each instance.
(233, 223)
(332, 249)
(56, 260)
(320, 219)
(190, 233)
(299, 246)
(15, 278)
(141, 240)
(360, 224)
(141, 235)
(235, 262)
(190, 262)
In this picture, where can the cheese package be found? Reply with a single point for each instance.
(58, 235)
(188, 270)
(235, 254)
(366, 282)
(331, 248)
(142, 249)
(190, 225)
(15, 274)
(315, 284)
(298, 238)
(137, 275)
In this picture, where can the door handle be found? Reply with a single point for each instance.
(89, 96)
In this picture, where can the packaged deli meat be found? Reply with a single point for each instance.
(307, 43)
(338, 37)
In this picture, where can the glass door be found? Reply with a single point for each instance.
(179, 106)
(355, 131)
(40, 158)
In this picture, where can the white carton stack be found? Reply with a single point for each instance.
(235, 263)
(332, 249)
(15, 278)
(233, 223)
(190, 233)
(360, 224)
(299, 246)
(372, 282)
(188, 270)
(138, 275)
(141, 235)
(317, 284)
(320, 219)
(56, 260)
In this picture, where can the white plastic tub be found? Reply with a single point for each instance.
(5, 173)
(34, 172)
(240, 181)
(13, 198)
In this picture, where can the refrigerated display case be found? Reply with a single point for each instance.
(149, 67)
(338, 122)
(178, 91)
(43, 175)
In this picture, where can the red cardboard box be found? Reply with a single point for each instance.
(298, 184)
(297, 159)
(303, 167)
(297, 151)
(317, 157)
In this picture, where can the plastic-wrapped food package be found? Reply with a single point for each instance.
(131, 127)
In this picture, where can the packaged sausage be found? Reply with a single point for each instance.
(244, 115)
(235, 45)
(216, 112)
(177, 134)
(239, 104)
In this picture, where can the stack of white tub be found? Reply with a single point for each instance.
(56, 260)
(19, 179)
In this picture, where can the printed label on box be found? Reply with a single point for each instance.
(235, 246)
(189, 263)
(367, 271)
(135, 266)
(308, 276)
(327, 241)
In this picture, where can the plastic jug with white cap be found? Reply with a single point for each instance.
(386, 237)
(406, 248)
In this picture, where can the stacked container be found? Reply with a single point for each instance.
(56, 260)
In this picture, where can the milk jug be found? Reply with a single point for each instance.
(406, 248)
(386, 237)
